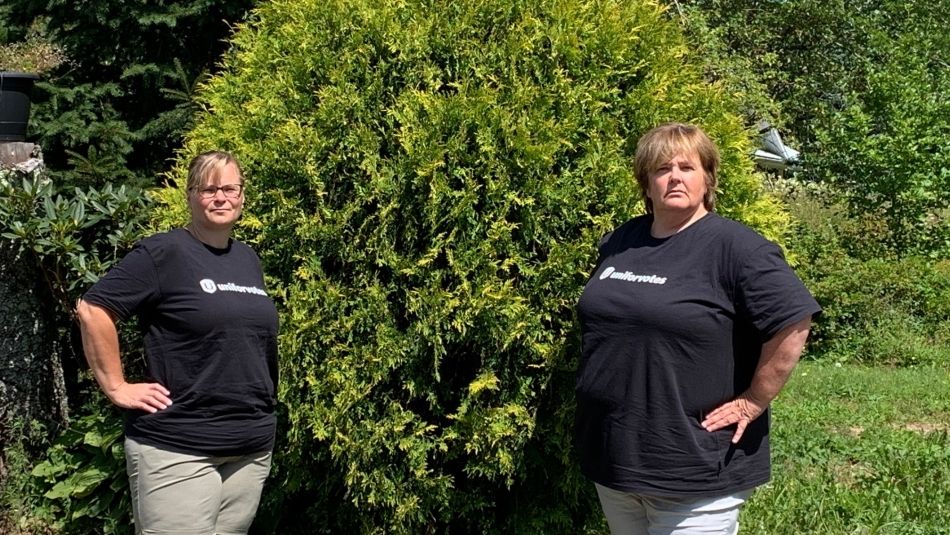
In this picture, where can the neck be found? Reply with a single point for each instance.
(213, 237)
(666, 224)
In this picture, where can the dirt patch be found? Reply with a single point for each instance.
(926, 427)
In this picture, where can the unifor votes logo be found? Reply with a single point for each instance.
(611, 273)
(209, 286)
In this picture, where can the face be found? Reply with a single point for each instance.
(218, 212)
(678, 187)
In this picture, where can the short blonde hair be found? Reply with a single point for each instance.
(665, 142)
(208, 164)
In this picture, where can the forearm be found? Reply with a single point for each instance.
(100, 343)
(777, 361)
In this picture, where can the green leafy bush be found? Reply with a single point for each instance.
(74, 234)
(428, 182)
(23, 442)
(878, 308)
(861, 89)
(82, 480)
(885, 311)
(885, 148)
(117, 114)
(73, 485)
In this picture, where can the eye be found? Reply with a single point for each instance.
(208, 192)
(231, 189)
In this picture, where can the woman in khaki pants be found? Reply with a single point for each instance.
(200, 429)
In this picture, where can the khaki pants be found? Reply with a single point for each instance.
(193, 494)
(636, 514)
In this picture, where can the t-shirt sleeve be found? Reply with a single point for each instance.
(770, 294)
(129, 286)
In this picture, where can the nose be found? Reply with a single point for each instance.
(676, 173)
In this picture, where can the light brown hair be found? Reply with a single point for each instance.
(665, 142)
(207, 164)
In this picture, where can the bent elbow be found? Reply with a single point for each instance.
(87, 312)
(82, 311)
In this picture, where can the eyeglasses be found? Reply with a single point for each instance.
(231, 191)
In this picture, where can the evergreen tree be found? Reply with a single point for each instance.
(427, 183)
(118, 109)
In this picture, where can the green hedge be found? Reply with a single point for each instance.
(428, 181)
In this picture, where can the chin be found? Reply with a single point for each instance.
(677, 207)
(220, 224)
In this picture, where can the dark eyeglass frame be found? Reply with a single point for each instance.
(231, 191)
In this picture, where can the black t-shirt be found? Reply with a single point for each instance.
(210, 339)
(672, 328)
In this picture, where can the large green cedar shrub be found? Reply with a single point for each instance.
(428, 182)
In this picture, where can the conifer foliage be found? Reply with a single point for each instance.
(428, 181)
(116, 109)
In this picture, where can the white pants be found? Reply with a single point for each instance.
(182, 494)
(636, 514)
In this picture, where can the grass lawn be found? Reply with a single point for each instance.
(858, 450)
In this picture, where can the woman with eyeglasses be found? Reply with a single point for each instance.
(199, 430)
